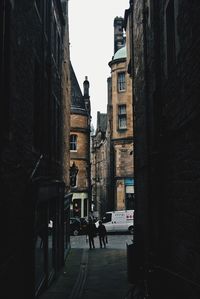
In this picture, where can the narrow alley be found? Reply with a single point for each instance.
(97, 273)
(100, 133)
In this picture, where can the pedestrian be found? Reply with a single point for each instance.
(91, 232)
(102, 234)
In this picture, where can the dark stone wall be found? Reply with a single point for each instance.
(24, 33)
(181, 123)
(140, 135)
(30, 80)
(167, 160)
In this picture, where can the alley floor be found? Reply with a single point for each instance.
(97, 273)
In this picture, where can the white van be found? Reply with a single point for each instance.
(118, 221)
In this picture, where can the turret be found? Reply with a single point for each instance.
(86, 96)
(86, 86)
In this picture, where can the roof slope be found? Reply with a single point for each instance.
(77, 100)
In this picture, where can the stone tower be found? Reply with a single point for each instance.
(119, 38)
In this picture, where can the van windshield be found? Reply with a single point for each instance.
(107, 218)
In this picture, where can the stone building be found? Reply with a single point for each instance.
(165, 60)
(80, 182)
(99, 167)
(120, 126)
(119, 37)
(35, 97)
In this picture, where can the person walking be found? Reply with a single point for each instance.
(102, 234)
(91, 232)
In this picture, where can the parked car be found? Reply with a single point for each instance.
(84, 224)
(75, 226)
(78, 226)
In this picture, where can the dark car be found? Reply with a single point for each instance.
(78, 226)
(75, 226)
(84, 224)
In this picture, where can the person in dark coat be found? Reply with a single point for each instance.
(102, 234)
(91, 232)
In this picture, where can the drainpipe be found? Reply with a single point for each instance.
(146, 89)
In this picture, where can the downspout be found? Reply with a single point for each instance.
(138, 256)
(141, 233)
(148, 124)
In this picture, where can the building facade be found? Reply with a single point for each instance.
(165, 69)
(80, 182)
(34, 98)
(120, 126)
(99, 167)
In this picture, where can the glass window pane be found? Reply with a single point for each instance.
(122, 117)
(73, 142)
(122, 122)
(122, 109)
(121, 81)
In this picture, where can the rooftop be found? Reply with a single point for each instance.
(121, 53)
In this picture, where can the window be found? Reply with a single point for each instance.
(56, 128)
(121, 81)
(40, 7)
(170, 36)
(56, 43)
(54, 40)
(58, 50)
(73, 142)
(37, 109)
(5, 53)
(122, 117)
(73, 174)
(85, 207)
(150, 12)
(55, 134)
(46, 16)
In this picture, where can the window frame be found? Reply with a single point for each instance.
(121, 81)
(171, 39)
(73, 142)
(122, 115)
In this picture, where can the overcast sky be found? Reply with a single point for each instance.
(91, 35)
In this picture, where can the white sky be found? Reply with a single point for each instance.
(91, 35)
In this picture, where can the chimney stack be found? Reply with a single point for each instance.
(119, 39)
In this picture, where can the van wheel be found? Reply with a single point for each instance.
(130, 230)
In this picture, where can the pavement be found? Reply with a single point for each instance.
(96, 273)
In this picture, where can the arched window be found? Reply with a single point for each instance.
(73, 142)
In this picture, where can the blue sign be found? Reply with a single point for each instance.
(129, 182)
